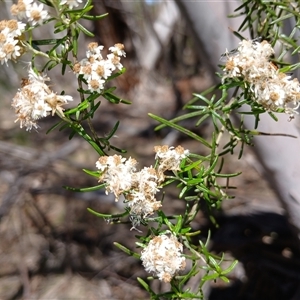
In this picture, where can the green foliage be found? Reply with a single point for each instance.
(63, 52)
(200, 177)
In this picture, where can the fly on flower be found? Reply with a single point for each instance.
(228, 54)
(233, 52)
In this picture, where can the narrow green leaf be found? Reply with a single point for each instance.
(71, 135)
(106, 216)
(195, 181)
(75, 47)
(282, 18)
(203, 98)
(78, 12)
(88, 189)
(81, 106)
(127, 251)
(242, 149)
(94, 18)
(94, 108)
(84, 30)
(92, 173)
(112, 98)
(92, 97)
(227, 175)
(212, 166)
(182, 118)
(113, 76)
(52, 65)
(213, 262)
(48, 3)
(60, 29)
(87, 4)
(178, 226)
(196, 96)
(117, 149)
(297, 50)
(230, 268)
(54, 126)
(181, 129)
(45, 42)
(225, 279)
(182, 192)
(113, 131)
(210, 277)
(194, 165)
(202, 119)
(147, 288)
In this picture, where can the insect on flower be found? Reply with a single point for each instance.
(274, 65)
(233, 52)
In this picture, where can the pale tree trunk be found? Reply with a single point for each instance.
(278, 155)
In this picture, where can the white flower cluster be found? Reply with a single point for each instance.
(163, 257)
(36, 100)
(95, 69)
(141, 198)
(10, 32)
(32, 12)
(138, 187)
(272, 89)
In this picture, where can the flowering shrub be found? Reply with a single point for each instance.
(167, 244)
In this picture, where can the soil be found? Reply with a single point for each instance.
(53, 248)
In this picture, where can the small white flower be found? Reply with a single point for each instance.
(57, 101)
(142, 204)
(36, 14)
(146, 181)
(117, 173)
(94, 51)
(9, 50)
(37, 77)
(118, 49)
(163, 257)
(102, 69)
(39, 109)
(141, 197)
(96, 84)
(170, 158)
(15, 28)
(21, 8)
(115, 61)
(71, 3)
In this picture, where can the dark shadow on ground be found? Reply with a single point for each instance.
(269, 251)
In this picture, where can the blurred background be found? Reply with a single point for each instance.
(52, 248)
